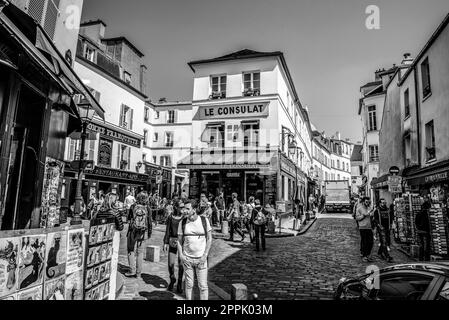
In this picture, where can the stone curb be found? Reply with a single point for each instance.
(120, 286)
(307, 227)
(219, 291)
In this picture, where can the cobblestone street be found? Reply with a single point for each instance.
(302, 267)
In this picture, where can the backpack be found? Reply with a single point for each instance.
(260, 218)
(139, 221)
(203, 222)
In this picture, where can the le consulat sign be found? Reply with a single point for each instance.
(242, 110)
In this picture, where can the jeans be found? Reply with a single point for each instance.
(249, 228)
(236, 227)
(172, 257)
(260, 230)
(366, 242)
(220, 214)
(135, 258)
(383, 251)
(424, 246)
(193, 266)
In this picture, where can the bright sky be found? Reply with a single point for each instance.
(329, 51)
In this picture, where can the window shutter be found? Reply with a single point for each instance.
(129, 158)
(119, 148)
(131, 119)
(51, 16)
(122, 108)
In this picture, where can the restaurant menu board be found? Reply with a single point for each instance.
(51, 195)
(98, 259)
(42, 264)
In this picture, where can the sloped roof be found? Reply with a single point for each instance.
(357, 153)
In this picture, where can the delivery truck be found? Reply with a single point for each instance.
(338, 197)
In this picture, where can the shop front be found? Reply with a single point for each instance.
(102, 180)
(433, 183)
(292, 184)
(160, 179)
(236, 171)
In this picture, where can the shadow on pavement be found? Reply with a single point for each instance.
(156, 281)
(122, 268)
(157, 295)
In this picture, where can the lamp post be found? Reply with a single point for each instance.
(139, 165)
(86, 114)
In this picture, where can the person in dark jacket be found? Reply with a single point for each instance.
(109, 209)
(171, 244)
(139, 231)
(422, 225)
(259, 221)
(383, 220)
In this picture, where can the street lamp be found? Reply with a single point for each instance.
(139, 165)
(86, 114)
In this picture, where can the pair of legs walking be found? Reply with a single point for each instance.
(135, 259)
(236, 227)
(259, 236)
(192, 267)
(172, 257)
(366, 242)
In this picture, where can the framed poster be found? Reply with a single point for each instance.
(31, 260)
(105, 153)
(51, 195)
(9, 250)
(30, 294)
(55, 289)
(75, 250)
(56, 254)
(74, 286)
(10, 297)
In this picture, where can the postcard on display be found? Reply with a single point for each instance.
(108, 269)
(10, 297)
(96, 275)
(93, 235)
(89, 278)
(88, 295)
(94, 293)
(55, 289)
(75, 250)
(102, 272)
(31, 261)
(74, 286)
(105, 236)
(114, 264)
(9, 251)
(106, 289)
(109, 251)
(100, 291)
(56, 254)
(30, 294)
(100, 254)
(104, 252)
(111, 228)
(99, 233)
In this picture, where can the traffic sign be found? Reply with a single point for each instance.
(394, 170)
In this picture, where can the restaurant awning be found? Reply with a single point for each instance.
(227, 159)
(40, 48)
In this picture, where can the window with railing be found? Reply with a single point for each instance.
(145, 138)
(126, 117)
(171, 116)
(218, 86)
(372, 120)
(213, 135)
(425, 78)
(169, 139)
(232, 132)
(406, 104)
(373, 153)
(430, 141)
(146, 114)
(165, 161)
(251, 134)
(124, 157)
(251, 83)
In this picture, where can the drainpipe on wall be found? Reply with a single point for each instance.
(418, 117)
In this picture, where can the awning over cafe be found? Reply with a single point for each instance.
(39, 47)
(229, 159)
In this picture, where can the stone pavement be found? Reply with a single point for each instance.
(155, 277)
(307, 266)
(303, 267)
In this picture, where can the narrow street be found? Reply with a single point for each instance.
(302, 267)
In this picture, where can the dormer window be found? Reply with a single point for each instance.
(218, 85)
(127, 77)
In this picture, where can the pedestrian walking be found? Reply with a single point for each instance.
(234, 218)
(184, 195)
(194, 242)
(247, 215)
(220, 206)
(129, 202)
(139, 231)
(259, 220)
(422, 225)
(383, 221)
(171, 245)
(109, 209)
(363, 216)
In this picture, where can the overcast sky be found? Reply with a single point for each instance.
(329, 51)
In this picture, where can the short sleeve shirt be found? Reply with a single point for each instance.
(194, 237)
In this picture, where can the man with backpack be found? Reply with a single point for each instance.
(140, 228)
(194, 242)
(259, 220)
(383, 220)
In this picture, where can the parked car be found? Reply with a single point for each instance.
(414, 281)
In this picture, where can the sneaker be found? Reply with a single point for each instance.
(179, 289)
(171, 285)
(365, 259)
(130, 275)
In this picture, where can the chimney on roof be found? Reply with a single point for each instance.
(376, 75)
(338, 135)
(359, 142)
(162, 100)
(408, 60)
(347, 140)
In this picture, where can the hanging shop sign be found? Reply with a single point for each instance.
(244, 110)
(287, 166)
(431, 178)
(114, 135)
(113, 173)
(105, 153)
